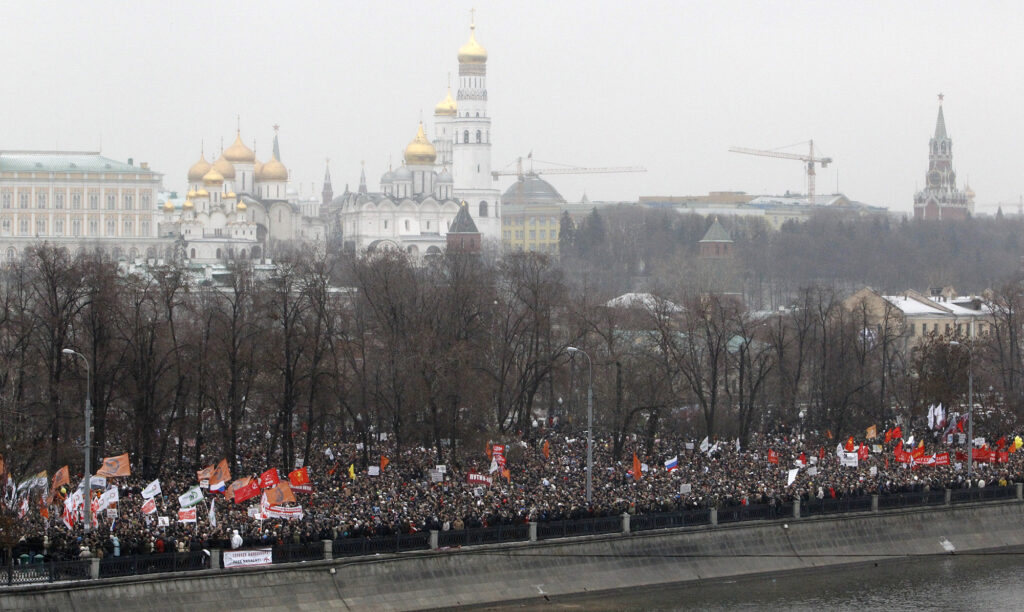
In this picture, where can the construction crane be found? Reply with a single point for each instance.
(518, 171)
(809, 159)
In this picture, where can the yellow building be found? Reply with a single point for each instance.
(531, 211)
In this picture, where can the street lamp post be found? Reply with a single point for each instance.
(970, 407)
(590, 419)
(87, 472)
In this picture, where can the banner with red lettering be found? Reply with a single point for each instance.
(149, 507)
(773, 457)
(187, 516)
(247, 558)
(924, 460)
(478, 479)
(498, 452)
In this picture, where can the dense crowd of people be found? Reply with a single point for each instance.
(544, 481)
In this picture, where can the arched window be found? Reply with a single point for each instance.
(406, 225)
(479, 136)
(192, 254)
(483, 208)
(465, 136)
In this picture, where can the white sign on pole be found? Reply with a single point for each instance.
(373, 470)
(163, 521)
(684, 489)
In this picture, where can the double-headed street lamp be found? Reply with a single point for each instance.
(87, 475)
(590, 418)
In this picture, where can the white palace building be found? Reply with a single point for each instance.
(418, 201)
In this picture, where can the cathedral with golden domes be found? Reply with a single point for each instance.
(418, 202)
(239, 208)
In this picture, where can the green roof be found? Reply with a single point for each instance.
(716, 233)
(58, 161)
(463, 223)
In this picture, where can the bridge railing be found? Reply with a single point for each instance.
(25, 573)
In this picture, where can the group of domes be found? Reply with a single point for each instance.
(223, 168)
(420, 151)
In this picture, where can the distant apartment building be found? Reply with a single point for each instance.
(78, 200)
(914, 315)
(775, 210)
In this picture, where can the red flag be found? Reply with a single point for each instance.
(897, 432)
(269, 479)
(636, 467)
(1003, 457)
(821, 452)
(299, 477)
(961, 456)
(247, 491)
(862, 453)
(919, 451)
(384, 461)
(832, 492)
(888, 436)
(546, 449)
(849, 445)
(803, 458)
(828, 433)
(334, 469)
(1001, 443)
(960, 426)
(773, 457)
(488, 451)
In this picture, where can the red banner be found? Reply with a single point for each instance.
(924, 460)
(942, 459)
(149, 507)
(982, 455)
(478, 479)
(862, 452)
(773, 457)
(1003, 457)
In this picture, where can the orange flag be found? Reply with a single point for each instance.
(637, 468)
(280, 494)
(60, 479)
(546, 449)
(872, 433)
(488, 451)
(204, 474)
(507, 474)
(115, 466)
(221, 473)
(384, 461)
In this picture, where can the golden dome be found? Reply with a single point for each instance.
(168, 206)
(225, 168)
(231, 195)
(198, 169)
(420, 152)
(241, 207)
(273, 170)
(238, 152)
(472, 52)
(202, 193)
(188, 205)
(192, 192)
(213, 177)
(446, 107)
(258, 170)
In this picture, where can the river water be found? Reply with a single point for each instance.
(957, 582)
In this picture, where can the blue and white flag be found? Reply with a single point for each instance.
(672, 464)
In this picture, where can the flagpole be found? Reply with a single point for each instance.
(87, 472)
(590, 419)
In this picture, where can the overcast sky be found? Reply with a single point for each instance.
(665, 85)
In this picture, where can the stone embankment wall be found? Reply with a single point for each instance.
(482, 574)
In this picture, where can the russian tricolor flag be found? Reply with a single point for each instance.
(672, 464)
(219, 487)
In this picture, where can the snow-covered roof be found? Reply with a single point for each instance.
(646, 301)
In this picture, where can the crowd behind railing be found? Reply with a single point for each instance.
(530, 490)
